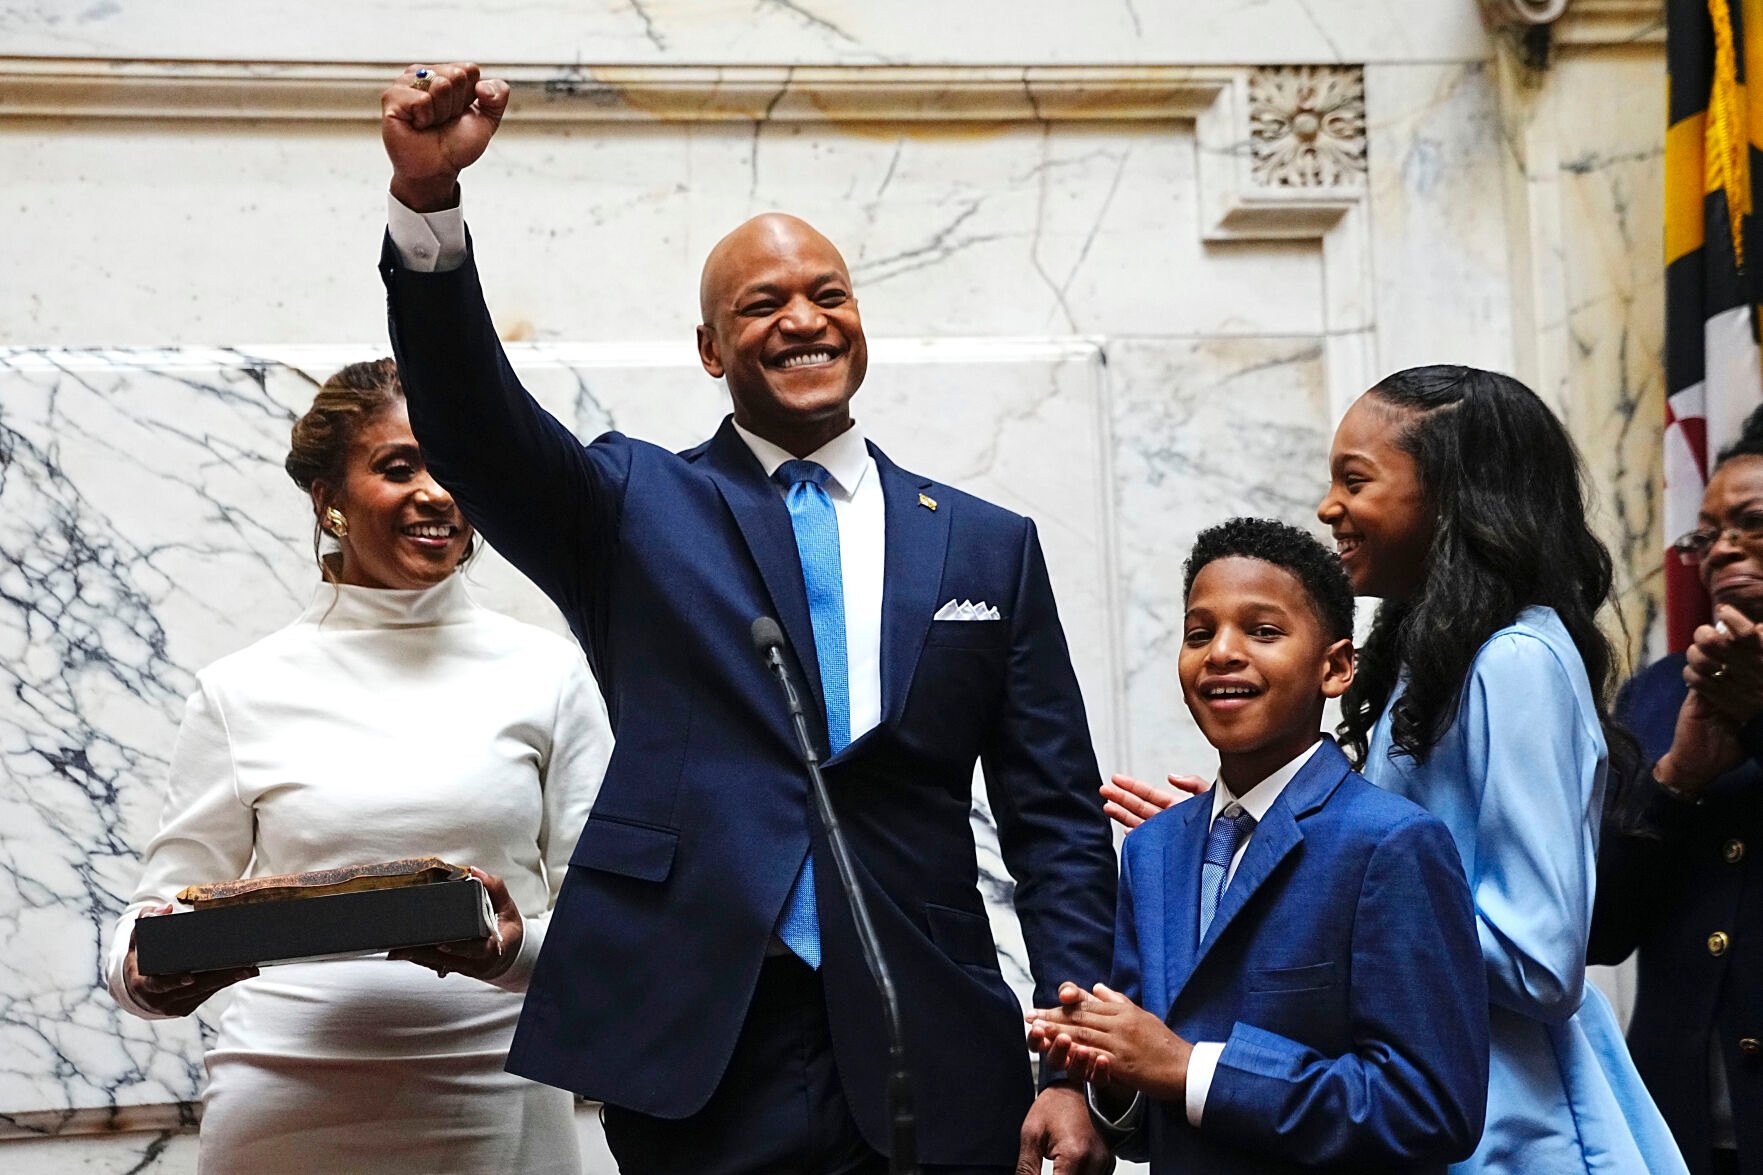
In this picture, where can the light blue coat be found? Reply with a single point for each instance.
(1518, 779)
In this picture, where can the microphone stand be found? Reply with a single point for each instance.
(768, 639)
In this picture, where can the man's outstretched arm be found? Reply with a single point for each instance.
(521, 476)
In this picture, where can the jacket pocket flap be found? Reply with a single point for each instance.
(965, 937)
(1312, 977)
(629, 850)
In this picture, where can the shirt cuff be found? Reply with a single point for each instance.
(427, 242)
(520, 972)
(1202, 1063)
(1122, 1124)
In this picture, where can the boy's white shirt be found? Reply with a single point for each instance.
(1203, 1061)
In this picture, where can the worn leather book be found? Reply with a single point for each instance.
(330, 913)
(320, 883)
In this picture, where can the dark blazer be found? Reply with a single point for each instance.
(1687, 872)
(1342, 970)
(660, 561)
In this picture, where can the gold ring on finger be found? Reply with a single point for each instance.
(1720, 672)
(423, 80)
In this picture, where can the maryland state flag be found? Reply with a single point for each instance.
(1713, 254)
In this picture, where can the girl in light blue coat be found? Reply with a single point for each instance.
(1482, 695)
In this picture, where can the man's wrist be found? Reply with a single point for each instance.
(434, 194)
(1171, 1082)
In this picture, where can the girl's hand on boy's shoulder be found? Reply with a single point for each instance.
(1130, 802)
(1105, 1038)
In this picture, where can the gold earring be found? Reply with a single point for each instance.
(335, 522)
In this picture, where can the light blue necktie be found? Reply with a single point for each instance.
(1228, 831)
(817, 543)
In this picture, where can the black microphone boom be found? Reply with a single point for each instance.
(768, 641)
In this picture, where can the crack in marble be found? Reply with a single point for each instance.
(812, 19)
(649, 29)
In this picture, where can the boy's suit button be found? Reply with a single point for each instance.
(1718, 942)
(1733, 851)
(1750, 1046)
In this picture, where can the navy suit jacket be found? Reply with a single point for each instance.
(1687, 871)
(1341, 970)
(660, 562)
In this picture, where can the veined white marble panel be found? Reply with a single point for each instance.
(146, 527)
(1442, 270)
(1203, 430)
(197, 234)
(772, 31)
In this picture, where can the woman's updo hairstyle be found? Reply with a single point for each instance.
(319, 447)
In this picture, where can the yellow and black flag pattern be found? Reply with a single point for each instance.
(1713, 251)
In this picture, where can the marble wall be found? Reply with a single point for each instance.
(1111, 275)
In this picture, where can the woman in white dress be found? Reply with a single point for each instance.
(394, 718)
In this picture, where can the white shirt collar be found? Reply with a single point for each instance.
(1263, 794)
(845, 457)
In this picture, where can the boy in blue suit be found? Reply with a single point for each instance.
(1297, 980)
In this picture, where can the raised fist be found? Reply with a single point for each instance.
(435, 121)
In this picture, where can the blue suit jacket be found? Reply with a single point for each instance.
(660, 562)
(1341, 969)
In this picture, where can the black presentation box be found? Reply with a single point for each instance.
(260, 933)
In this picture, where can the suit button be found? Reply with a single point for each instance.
(1733, 851)
(1718, 942)
(1750, 1046)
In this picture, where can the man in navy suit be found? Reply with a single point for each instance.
(1300, 985)
(700, 973)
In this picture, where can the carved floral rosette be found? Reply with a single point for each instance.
(1307, 126)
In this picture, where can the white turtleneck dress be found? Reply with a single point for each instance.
(380, 725)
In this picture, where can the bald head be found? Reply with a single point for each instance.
(746, 252)
(781, 326)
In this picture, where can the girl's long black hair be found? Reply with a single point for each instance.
(1505, 486)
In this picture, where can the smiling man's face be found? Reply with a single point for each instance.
(781, 324)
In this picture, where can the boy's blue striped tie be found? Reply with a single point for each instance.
(1228, 831)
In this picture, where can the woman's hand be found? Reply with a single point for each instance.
(1132, 802)
(178, 994)
(1704, 746)
(1725, 665)
(480, 958)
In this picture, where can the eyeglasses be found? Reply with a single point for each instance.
(1747, 528)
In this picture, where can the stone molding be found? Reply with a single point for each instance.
(1581, 23)
(1235, 204)
(1216, 99)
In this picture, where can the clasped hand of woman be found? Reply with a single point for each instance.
(481, 958)
(180, 993)
(1724, 670)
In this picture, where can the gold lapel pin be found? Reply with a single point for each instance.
(928, 502)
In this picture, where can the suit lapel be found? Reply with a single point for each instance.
(1274, 839)
(1184, 853)
(764, 522)
(917, 543)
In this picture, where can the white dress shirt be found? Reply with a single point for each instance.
(856, 493)
(1203, 1061)
(434, 242)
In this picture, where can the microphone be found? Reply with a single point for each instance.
(768, 642)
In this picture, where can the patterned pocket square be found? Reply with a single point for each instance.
(966, 610)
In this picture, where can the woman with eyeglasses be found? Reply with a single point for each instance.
(1680, 877)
